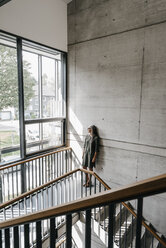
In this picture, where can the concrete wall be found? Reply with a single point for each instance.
(39, 20)
(117, 81)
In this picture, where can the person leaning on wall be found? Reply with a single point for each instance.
(90, 151)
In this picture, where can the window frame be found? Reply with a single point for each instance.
(22, 121)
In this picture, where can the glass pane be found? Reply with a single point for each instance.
(9, 106)
(52, 134)
(31, 85)
(52, 88)
(32, 137)
(48, 87)
(43, 135)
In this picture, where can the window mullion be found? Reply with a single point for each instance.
(21, 98)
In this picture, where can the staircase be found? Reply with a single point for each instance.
(44, 214)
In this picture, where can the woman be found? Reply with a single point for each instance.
(90, 151)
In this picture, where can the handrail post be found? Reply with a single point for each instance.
(68, 230)
(139, 222)
(7, 238)
(88, 229)
(23, 178)
(111, 225)
(52, 233)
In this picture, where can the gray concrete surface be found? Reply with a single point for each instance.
(117, 81)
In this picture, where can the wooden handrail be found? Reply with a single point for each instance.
(34, 158)
(132, 191)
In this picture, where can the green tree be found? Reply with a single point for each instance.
(9, 79)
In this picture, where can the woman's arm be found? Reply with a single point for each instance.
(94, 157)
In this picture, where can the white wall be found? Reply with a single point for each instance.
(44, 21)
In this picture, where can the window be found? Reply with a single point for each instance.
(41, 82)
(9, 102)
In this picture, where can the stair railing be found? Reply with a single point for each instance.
(137, 191)
(28, 174)
(126, 218)
(61, 190)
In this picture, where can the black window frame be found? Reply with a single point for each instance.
(22, 121)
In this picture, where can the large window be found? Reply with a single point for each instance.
(32, 76)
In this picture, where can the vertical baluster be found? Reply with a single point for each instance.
(45, 170)
(126, 228)
(49, 170)
(17, 179)
(38, 235)
(60, 163)
(11, 211)
(19, 208)
(26, 236)
(1, 239)
(8, 184)
(99, 186)
(47, 203)
(70, 158)
(88, 229)
(85, 186)
(65, 195)
(54, 166)
(95, 186)
(12, 183)
(139, 222)
(42, 176)
(31, 208)
(144, 239)
(32, 174)
(73, 188)
(50, 167)
(39, 175)
(69, 188)
(7, 238)
(132, 223)
(111, 225)
(52, 233)
(36, 200)
(52, 200)
(90, 183)
(66, 155)
(56, 193)
(63, 163)
(4, 214)
(29, 177)
(36, 173)
(81, 184)
(76, 175)
(120, 222)
(68, 230)
(4, 188)
(104, 217)
(16, 237)
(25, 206)
(152, 237)
(57, 167)
(99, 219)
(61, 191)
